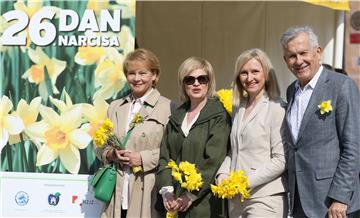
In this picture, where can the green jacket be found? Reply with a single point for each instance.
(206, 145)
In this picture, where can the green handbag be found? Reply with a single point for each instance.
(104, 182)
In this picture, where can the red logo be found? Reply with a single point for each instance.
(74, 197)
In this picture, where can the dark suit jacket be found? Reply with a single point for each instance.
(325, 160)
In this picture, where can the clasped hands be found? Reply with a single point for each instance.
(180, 204)
(126, 157)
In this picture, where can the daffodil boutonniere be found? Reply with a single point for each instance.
(137, 119)
(325, 107)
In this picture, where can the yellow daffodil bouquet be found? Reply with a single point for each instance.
(236, 183)
(225, 97)
(188, 178)
(105, 135)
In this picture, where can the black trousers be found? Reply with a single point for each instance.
(298, 210)
(123, 213)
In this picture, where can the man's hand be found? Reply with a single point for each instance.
(337, 210)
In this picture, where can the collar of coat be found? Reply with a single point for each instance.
(212, 108)
(150, 100)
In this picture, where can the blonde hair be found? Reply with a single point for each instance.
(188, 66)
(147, 57)
(271, 84)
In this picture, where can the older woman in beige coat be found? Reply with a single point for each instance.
(134, 195)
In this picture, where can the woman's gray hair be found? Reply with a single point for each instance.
(294, 31)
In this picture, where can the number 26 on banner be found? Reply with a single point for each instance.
(41, 33)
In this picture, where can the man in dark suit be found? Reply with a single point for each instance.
(323, 132)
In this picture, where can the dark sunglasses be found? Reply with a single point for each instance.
(203, 79)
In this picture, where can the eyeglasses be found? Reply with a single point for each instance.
(189, 80)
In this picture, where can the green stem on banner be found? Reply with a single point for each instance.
(2, 74)
(9, 158)
(23, 154)
(56, 165)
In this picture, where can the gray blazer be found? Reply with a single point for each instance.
(325, 160)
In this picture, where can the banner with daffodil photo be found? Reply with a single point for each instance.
(60, 66)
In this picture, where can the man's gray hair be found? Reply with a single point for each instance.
(292, 32)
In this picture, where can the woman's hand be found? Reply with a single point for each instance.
(119, 156)
(183, 203)
(134, 158)
(169, 201)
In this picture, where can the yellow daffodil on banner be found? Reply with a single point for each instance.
(28, 114)
(226, 96)
(89, 55)
(109, 75)
(95, 114)
(31, 7)
(128, 7)
(36, 73)
(127, 40)
(97, 5)
(10, 124)
(61, 137)
(62, 105)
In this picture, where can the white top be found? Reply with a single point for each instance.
(300, 103)
(185, 127)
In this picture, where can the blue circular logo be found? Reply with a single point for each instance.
(22, 198)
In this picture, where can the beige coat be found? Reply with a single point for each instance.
(257, 147)
(145, 138)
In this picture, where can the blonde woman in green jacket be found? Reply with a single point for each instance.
(197, 132)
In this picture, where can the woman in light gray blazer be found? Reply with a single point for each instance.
(256, 140)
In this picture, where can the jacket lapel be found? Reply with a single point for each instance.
(290, 99)
(149, 104)
(260, 105)
(315, 100)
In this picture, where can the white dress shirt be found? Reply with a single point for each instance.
(300, 103)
